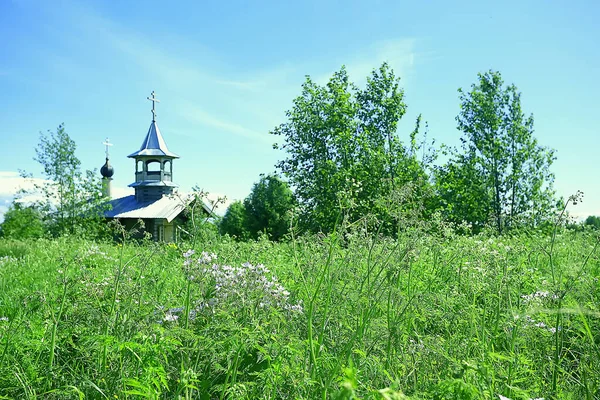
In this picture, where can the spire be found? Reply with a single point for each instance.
(153, 164)
(153, 144)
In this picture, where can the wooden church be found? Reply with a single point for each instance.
(156, 201)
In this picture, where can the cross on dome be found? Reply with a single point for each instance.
(154, 100)
(107, 144)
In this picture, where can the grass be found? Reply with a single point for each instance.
(352, 316)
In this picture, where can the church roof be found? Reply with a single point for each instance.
(167, 207)
(153, 184)
(153, 145)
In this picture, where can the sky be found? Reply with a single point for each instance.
(226, 72)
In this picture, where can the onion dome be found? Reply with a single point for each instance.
(107, 171)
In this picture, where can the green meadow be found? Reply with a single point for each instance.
(340, 316)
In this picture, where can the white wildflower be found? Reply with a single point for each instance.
(189, 253)
(171, 318)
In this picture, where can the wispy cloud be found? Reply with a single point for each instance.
(194, 77)
(399, 53)
(201, 82)
(200, 116)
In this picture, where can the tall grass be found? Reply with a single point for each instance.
(348, 315)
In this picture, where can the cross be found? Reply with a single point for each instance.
(107, 144)
(154, 100)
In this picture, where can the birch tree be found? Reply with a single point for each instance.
(505, 175)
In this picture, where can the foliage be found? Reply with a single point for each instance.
(343, 154)
(22, 222)
(268, 208)
(461, 186)
(417, 317)
(503, 175)
(593, 222)
(234, 221)
(72, 199)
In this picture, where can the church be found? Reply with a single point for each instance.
(156, 201)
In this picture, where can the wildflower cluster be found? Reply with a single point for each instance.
(7, 259)
(492, 247)
(538, 296)
(94, 257)
(245, 286)
(529, 322)
(193, 268)
(250, 283)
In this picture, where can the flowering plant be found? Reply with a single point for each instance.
(246, 286)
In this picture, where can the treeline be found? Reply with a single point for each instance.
(345, 161)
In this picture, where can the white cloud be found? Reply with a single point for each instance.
(11, 183)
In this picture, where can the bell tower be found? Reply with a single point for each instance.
(153, 164)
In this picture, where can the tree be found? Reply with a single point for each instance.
(343, 153)
(268, 207)
(593, 222)
(461, 186)
(73, 199)
(22, 222)
(503, 175)
(234, 221)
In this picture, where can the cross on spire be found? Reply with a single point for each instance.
(107, 144)
(154, 100)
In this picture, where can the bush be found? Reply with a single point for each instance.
(22, 222)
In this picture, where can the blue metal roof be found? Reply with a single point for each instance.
(153, 145)
(167, 207)
(153, 183)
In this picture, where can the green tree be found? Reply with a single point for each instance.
(343, 152)
(503, 175)
(593, 222)
(268, 208)
(234, 221)
(22, 222)
(73, 199)
(460, 187)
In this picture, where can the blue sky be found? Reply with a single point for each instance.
(225, 73)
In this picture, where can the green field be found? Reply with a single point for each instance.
(349, 316)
